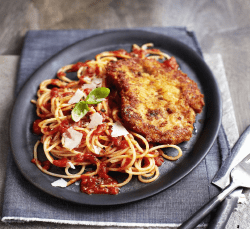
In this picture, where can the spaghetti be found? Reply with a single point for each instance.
(96, 151)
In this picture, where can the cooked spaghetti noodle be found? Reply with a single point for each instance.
(98, 152)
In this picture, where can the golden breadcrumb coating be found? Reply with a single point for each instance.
(156, 101)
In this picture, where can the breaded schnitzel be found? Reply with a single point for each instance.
(156, 101)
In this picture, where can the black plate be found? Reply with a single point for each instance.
(207, 123)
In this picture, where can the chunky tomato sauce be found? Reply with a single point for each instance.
(64, 125)
(56, 81)
(171, 64)
(120, 52)
(61, 74)
(45, 164)
(87, 90)
(100, 129)
(120, 143)
(159, 160)
(54, 92)
(76, 66)
(61, 162)
(92, 184)
(87, 157)
(139, 52)
(128, 160)
(49, 131)
(36, 129)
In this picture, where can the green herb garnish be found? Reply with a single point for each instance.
(94, 97)
(97, 95)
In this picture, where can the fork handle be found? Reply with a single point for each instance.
(206, 209)
(224, 211)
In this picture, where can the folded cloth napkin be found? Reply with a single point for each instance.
(24, 202)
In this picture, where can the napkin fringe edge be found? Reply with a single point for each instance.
(11, 219)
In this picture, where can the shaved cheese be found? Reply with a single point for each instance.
(72, 138)
(71, 165)
(60, 183)
(89, 85)
(96, 82)
(118, 130)
(87, 78)
(97, 149)
(77, 97)
(95, 120)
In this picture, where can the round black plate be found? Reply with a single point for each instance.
(207, 123)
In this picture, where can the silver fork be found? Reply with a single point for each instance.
(240, 178)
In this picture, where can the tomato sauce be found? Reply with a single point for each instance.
(45, 164)
(90, 70)
(47, 130)
(61, 162)
(61, 74)
(97, 70)
(128, 160)
(86, 157)
(120, 143)
(100, 129)
(55, 81)
(54, 92)
(155, 50)
(69, 85)
(158, 161)
(64, 125)
(76, 66)
(47, 106)
(34, 161)
(79, 158)
(171, 64)
(145, 162)
(92, 184)
(120, 52)
(87, 90)
(91, 158)
(140, 52)
(36, 129)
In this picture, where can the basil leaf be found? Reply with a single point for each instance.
(79, 111)
(97, 95)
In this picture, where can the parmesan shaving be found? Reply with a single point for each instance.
(97, 149)
(96, 82)
(60, 183)
(95, 120)
(89, 85)
(71, 165)
(87, 78)
(76, 97)
(118, 130)
(72, 138)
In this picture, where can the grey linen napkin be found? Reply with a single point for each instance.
(24, 202)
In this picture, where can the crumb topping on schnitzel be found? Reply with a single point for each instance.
(155, 100)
